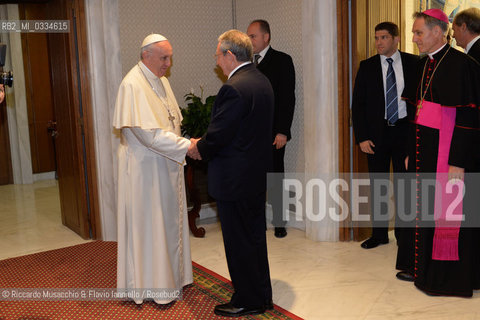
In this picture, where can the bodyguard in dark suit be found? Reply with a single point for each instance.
(237, 147)
(380, 117)
(474, 51)
(466, 31)
(279, 69)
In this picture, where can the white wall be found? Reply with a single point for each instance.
(192, 27)
(285, 19)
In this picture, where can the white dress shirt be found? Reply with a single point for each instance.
(400, 83)
(241, 65)
(262, 53)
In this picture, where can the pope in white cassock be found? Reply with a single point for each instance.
(153, 235)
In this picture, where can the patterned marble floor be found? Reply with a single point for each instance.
(314, 280)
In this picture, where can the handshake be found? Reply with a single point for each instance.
(192, 151)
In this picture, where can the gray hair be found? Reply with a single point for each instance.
(146, 48)
(431, 22)
(238, 43)
(471, 18)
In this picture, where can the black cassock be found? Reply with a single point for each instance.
(455, 83)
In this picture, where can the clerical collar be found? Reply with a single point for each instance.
(471, 43)
(149, 74)
(241, 65)
(436, 53)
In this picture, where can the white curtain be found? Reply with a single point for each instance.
(319, 34)
(105, 75)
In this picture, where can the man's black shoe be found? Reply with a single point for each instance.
(269, 305)
(280, 232)
(405, 276)
(228, 310)
(373, 243)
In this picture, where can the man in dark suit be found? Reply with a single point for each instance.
(466, 31)
(380, 118)
(237, 147)
(278, 67)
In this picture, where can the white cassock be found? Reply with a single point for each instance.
(153, 235)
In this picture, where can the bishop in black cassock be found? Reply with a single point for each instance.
(444, 101)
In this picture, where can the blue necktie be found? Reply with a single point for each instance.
(392, 102)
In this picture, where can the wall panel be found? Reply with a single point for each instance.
(379, 11)
(192, 28)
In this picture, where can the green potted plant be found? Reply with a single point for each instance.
(196, 116)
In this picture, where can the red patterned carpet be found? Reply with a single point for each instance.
(93, 265)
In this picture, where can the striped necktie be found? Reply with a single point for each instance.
(256, 57)
(392, 102)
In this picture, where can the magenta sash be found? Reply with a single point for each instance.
(448, 195)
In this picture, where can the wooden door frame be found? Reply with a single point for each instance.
(72, 95)
(348, 165)
(359, 159)
(343, 68)
(87, 121)
(84, 123)
(347, 150)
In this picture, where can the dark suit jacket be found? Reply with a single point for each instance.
(474, 51)
(238, 140)
(279, 69)
(368, 101)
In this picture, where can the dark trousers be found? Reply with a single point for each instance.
(243, 228)
(275, 187)
(391, 149)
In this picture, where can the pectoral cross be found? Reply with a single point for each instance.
(171, 118)
(162, 96)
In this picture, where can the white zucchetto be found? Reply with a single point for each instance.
(152, 38)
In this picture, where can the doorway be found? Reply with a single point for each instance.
(58, 99)
(356, 20)
(6, 174)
